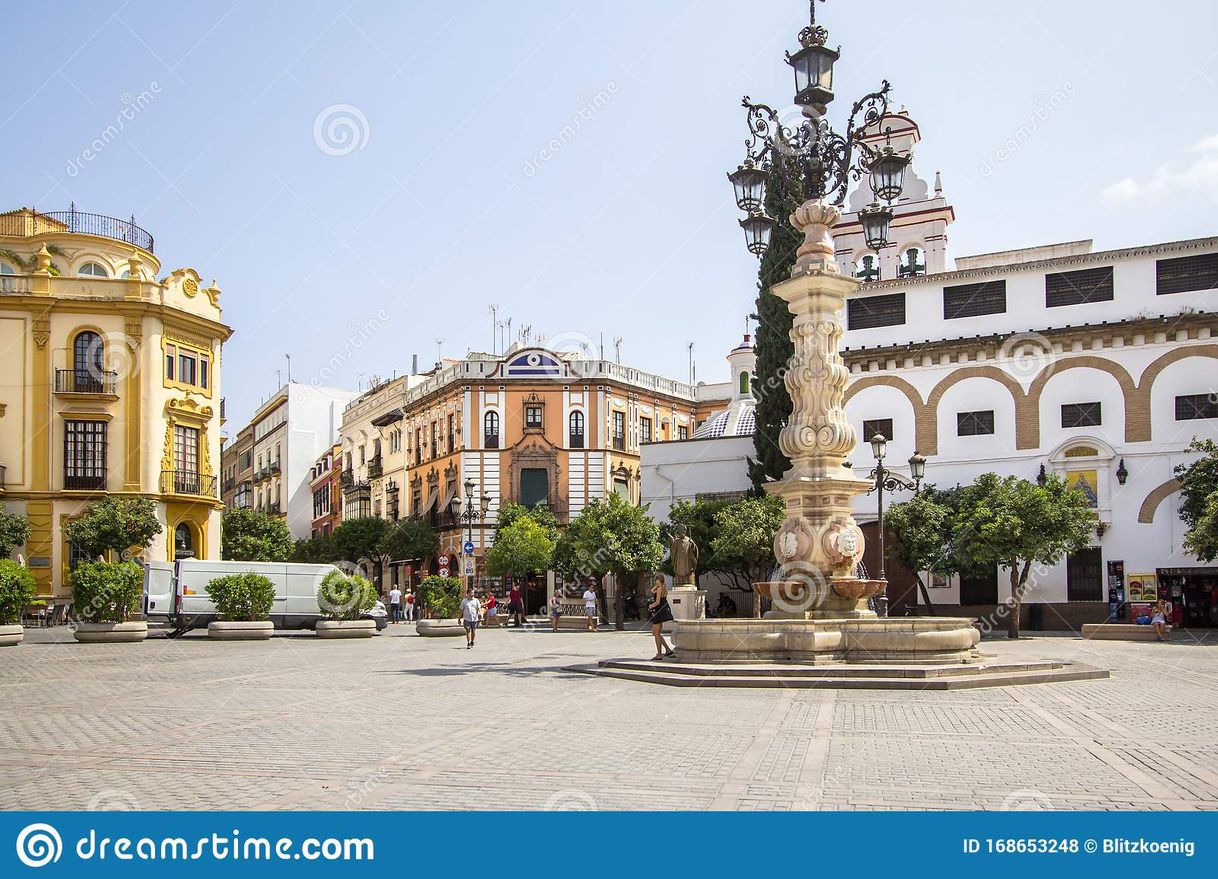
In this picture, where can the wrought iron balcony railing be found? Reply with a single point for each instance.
(86, 381)
(374, 467)
(84, 482)
(27, 223)
(186, 482)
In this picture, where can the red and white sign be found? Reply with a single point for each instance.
(442, 561)
(443, 570)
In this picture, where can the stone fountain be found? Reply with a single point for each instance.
(820, 608)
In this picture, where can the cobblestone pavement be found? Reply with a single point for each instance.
(401, 722)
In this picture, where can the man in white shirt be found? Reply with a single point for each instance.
(395, 604)
(471, 607)
(590, 607)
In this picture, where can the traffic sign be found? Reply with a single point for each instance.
(469, 547)
(469, 567)
(443, 570)
(442, 561)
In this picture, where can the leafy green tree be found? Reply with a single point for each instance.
(244, 597)
(364, 538)
(114, 524)
(254, 536)
(922, 532)
(106, 592)
(1016, 523)
(1199, 500)
(784, 193)
(511, 512)
(319, 549)
(743, 544)
(14, 531)
(610, 536)
(441, 596)
(345, 596)
(520, 550)
(17, 590)
(411, 539)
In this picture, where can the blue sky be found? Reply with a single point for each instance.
(351, 255)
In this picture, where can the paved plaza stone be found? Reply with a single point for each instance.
(402, 722)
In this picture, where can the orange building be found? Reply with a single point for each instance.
(531, 426)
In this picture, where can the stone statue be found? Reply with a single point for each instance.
(684, 555)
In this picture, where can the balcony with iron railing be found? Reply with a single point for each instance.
(375, 468)
(187, 483)
(28, 223)
(94, 382)
(84, 482)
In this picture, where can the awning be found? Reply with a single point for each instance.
(390, 417)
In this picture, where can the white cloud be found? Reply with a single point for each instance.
(1198, 178)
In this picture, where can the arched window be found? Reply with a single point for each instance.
(913, 263)
(6, 269)
(490, 430)
(744, 382)
(576, 430)
(183, 542)
(93, 269)
(867, 267)
(88, 363)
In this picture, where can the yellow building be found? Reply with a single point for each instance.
(109, 384)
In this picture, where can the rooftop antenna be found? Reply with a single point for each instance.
(439, 352)
(617, 348)
(494, 324)
(602, 345)
(289, 357)
(278, 372)
(691, 344)
(509, 332)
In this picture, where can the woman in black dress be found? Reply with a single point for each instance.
(661, 613)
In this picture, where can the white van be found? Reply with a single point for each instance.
(177, 592)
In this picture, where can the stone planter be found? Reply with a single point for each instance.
(10, 635)
(439, 628)
(111, 633)
(243, 630)
(346, 628)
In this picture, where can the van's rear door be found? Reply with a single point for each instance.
(158, 589)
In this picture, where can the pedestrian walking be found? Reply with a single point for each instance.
(555, 610)
(516, 605)
(490, 605)
(590, 606)
(661, 613)
(395, 604)
(471, 607)
(1159, 620)
(409, 605)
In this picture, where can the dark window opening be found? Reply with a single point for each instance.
(1078, 288)
(867, 312)
(975, 423)
(877, 425)
(971, 300)
(1186, 274)
(1192, 407)
(1081, 414)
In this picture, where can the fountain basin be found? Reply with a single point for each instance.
(850, 640)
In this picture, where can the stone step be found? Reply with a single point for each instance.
(833, 670)
(744, 676)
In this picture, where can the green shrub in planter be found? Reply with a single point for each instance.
(17, 588)
(343, 597)
(442, 596)
(246, 597)
(107, 592)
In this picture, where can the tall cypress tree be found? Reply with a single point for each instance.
(784, 193)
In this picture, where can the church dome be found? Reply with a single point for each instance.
(739, 419)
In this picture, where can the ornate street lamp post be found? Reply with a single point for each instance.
(471, 516)
(819, 546)
(883, 480)
(824, 160)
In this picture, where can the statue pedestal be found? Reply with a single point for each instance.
(687, 602)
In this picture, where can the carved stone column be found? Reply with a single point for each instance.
(819, 544)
